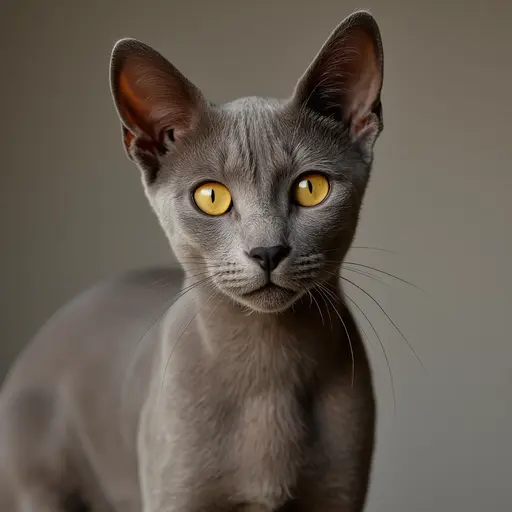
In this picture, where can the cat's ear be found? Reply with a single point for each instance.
(157, 105)
(344, 81)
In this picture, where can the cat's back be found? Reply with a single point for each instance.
(105, 321)
(82, 379)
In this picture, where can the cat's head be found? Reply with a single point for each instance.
(263, 196)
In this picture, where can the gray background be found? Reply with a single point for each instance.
(73, 212)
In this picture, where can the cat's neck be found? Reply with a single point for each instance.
(320, 315)
(251, 352)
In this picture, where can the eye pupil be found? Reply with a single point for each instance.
(213, 198)
(311, 190)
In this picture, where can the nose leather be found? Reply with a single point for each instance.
(269, 258)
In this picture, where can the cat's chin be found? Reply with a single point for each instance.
(269, 299)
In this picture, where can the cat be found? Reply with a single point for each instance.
(241, 381)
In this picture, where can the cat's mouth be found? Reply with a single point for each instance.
(269, 287)
(269, 298)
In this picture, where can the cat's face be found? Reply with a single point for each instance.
(285, 182)
(259, 197)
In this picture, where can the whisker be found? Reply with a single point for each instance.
(380, 271)
(318, 306)
(181, 336)
(327, 290)
(326, 306)
(215, 307)
(362, 247)
(372, 248)
(226, 268)
(167, 306)
(385, 354)
(210, 264)
(198, 274)
(348, 336)
(163, 281)
(375, 301)
(375, 269)
(365, 274)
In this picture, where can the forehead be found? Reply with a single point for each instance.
(254, 138)
(259, 142)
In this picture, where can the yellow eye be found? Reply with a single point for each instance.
(311, 190)
(213, 198)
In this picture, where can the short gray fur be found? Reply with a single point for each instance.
(162, 392)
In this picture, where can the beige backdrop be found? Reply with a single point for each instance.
(72, 209)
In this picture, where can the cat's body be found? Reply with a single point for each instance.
(250, 389)
(74, 421)
(72, 426)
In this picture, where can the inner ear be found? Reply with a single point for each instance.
(344, 81)
(157, 105)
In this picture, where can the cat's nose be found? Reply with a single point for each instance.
(268, 258)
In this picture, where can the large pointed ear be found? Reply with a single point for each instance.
(344, 81)
(157, 105)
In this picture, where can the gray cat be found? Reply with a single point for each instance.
(245, 385)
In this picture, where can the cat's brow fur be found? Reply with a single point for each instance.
(229, 386)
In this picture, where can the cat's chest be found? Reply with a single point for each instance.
(267, 447)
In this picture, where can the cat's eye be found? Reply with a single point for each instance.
(213, 198)
(311, 190)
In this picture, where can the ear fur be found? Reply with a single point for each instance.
(157, 105)
(344, 81)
